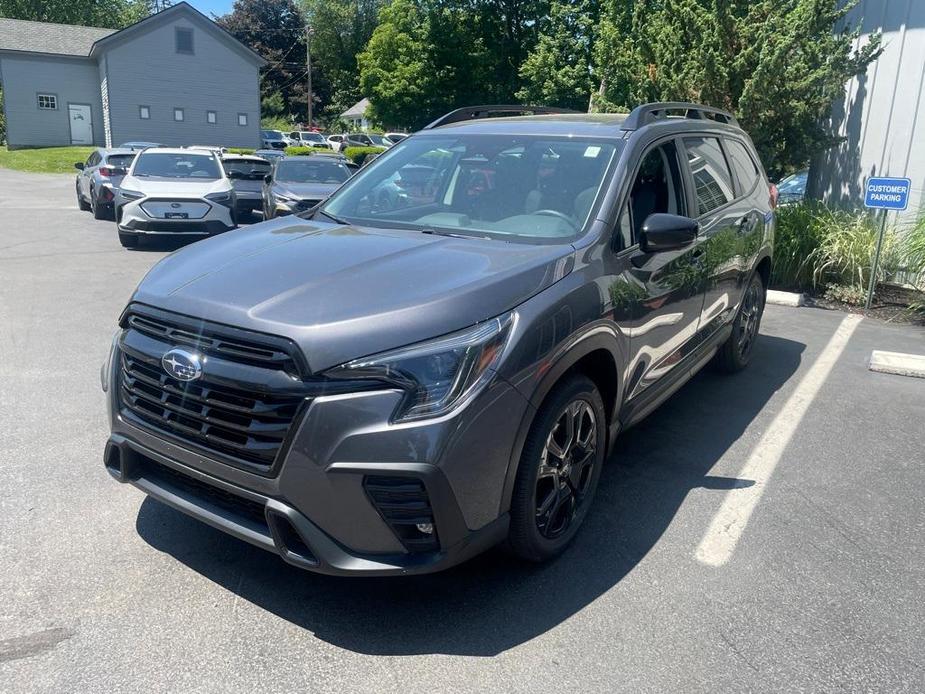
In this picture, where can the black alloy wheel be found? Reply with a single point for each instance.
(565, 470)
(559, 469)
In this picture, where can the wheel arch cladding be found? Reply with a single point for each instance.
(593, 359)
(764, 270)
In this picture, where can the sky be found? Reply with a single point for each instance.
(210, 7)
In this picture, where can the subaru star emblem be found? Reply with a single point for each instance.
(182, 365)
(175, 205)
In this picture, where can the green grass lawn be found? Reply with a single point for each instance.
(45, 160)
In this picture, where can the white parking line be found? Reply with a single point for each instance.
(729, 523)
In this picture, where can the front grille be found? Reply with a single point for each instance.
(243, 424)
(404, 504)
(239, 349)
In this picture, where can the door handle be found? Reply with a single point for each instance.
(745, 224)
(697, 256)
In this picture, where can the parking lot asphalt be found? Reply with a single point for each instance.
(103, 590)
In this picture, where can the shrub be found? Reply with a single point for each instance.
(796, 236)
(240, 150)
(847, 246)
(846, 293)
(302, 151)
(358, 154)
(912, 252)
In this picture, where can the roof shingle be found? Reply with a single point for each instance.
(41, 37)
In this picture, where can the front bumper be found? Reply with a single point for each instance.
(211, 218)
(313, 508)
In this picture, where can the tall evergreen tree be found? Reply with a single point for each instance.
(559, 70)
(778, 64)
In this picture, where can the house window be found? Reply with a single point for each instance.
(144, 112)
(178, 114)
(242, 119)
(184, 39)
(48, 102)
(211, 117)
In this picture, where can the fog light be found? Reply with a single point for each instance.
(426, 528)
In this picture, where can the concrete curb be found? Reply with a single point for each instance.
(785, 298)
(897, 363)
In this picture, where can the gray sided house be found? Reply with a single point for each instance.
(174, 78)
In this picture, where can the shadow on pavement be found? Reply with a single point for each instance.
(494, 602)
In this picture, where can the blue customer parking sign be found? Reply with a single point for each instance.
(887, 193)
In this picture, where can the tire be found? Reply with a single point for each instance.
(735, 353)
(84, 206)
(128, 240)
(99, 211)
(564, 486)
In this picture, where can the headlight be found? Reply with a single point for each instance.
(106, 368)
(437, 375)
(131, 194)
(224, 199)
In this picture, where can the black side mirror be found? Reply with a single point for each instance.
(667, 232)
(268, 178)
(79, 166)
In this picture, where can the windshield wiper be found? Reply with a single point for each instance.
(445, 232)
(334, 219)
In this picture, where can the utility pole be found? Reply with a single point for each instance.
(308, 69)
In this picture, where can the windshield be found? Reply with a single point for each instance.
(161, 164)
(515, 187)
(311, 171)
(313, 137)
(249, 169)
(272, 134)
(379, 140)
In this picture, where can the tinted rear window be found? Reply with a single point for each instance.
(250, 170)
(123, 160)
(712, 178)
(744, 165)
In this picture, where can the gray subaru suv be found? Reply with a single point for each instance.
(438, 358)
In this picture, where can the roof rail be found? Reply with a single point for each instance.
(649, 113)
(489, 110)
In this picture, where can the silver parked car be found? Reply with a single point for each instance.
(304, 138)
(246, 174)
(174, 191)
(297, 184)
(99, 178)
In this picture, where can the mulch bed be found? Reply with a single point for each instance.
(891, 304)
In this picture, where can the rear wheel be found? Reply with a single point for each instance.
(736, 351)
(81, 203)
(99, 210)
(559, 470)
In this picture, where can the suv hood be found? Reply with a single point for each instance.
(343, 292)
(175, 187)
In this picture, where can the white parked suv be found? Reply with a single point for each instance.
(174, 191)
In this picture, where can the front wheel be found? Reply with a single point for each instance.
(559, 470)
(735, 353)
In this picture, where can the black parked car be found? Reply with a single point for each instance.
(440, 356)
